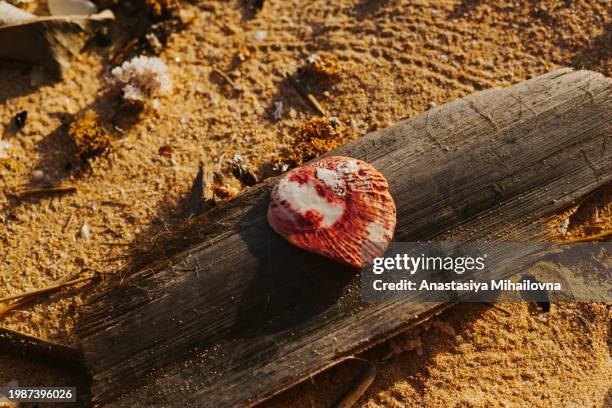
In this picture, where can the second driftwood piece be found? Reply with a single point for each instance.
(227, 313)
(48, 41)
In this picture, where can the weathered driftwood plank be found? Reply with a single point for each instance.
(239, 314)
(33, 347)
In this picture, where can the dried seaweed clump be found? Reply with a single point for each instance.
(221, 193)
(322, 66)
(142, 79)
(316, 136)
(89, 136)
(243, 171)
(160, 8)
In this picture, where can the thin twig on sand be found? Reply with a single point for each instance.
(308, 97)
(227, 79)
(596, 237)
(62, 189)
(21, 299)
(360, 386)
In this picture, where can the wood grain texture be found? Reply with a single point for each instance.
(237, 314)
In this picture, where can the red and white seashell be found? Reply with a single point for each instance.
(338, 207)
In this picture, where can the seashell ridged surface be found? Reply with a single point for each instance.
(338, 207)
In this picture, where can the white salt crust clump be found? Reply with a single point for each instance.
(142, 78)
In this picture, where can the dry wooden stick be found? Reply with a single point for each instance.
(68, 221)
(25, 298)
(6, 309)
(44, 289)
(227, 79)
(310, 99)
(64, 279)
(118, 57)
(595, 237)
(201, 195)
(116, 243)
(62, 189)
(360, 386)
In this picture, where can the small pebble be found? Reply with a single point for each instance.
(38, 175)
(154, 43)
(237, 158)
(84, 232)
(278, 110)
(564, 227)
(260, 35)
(20, 119)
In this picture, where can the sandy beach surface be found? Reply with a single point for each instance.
(391, 61)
